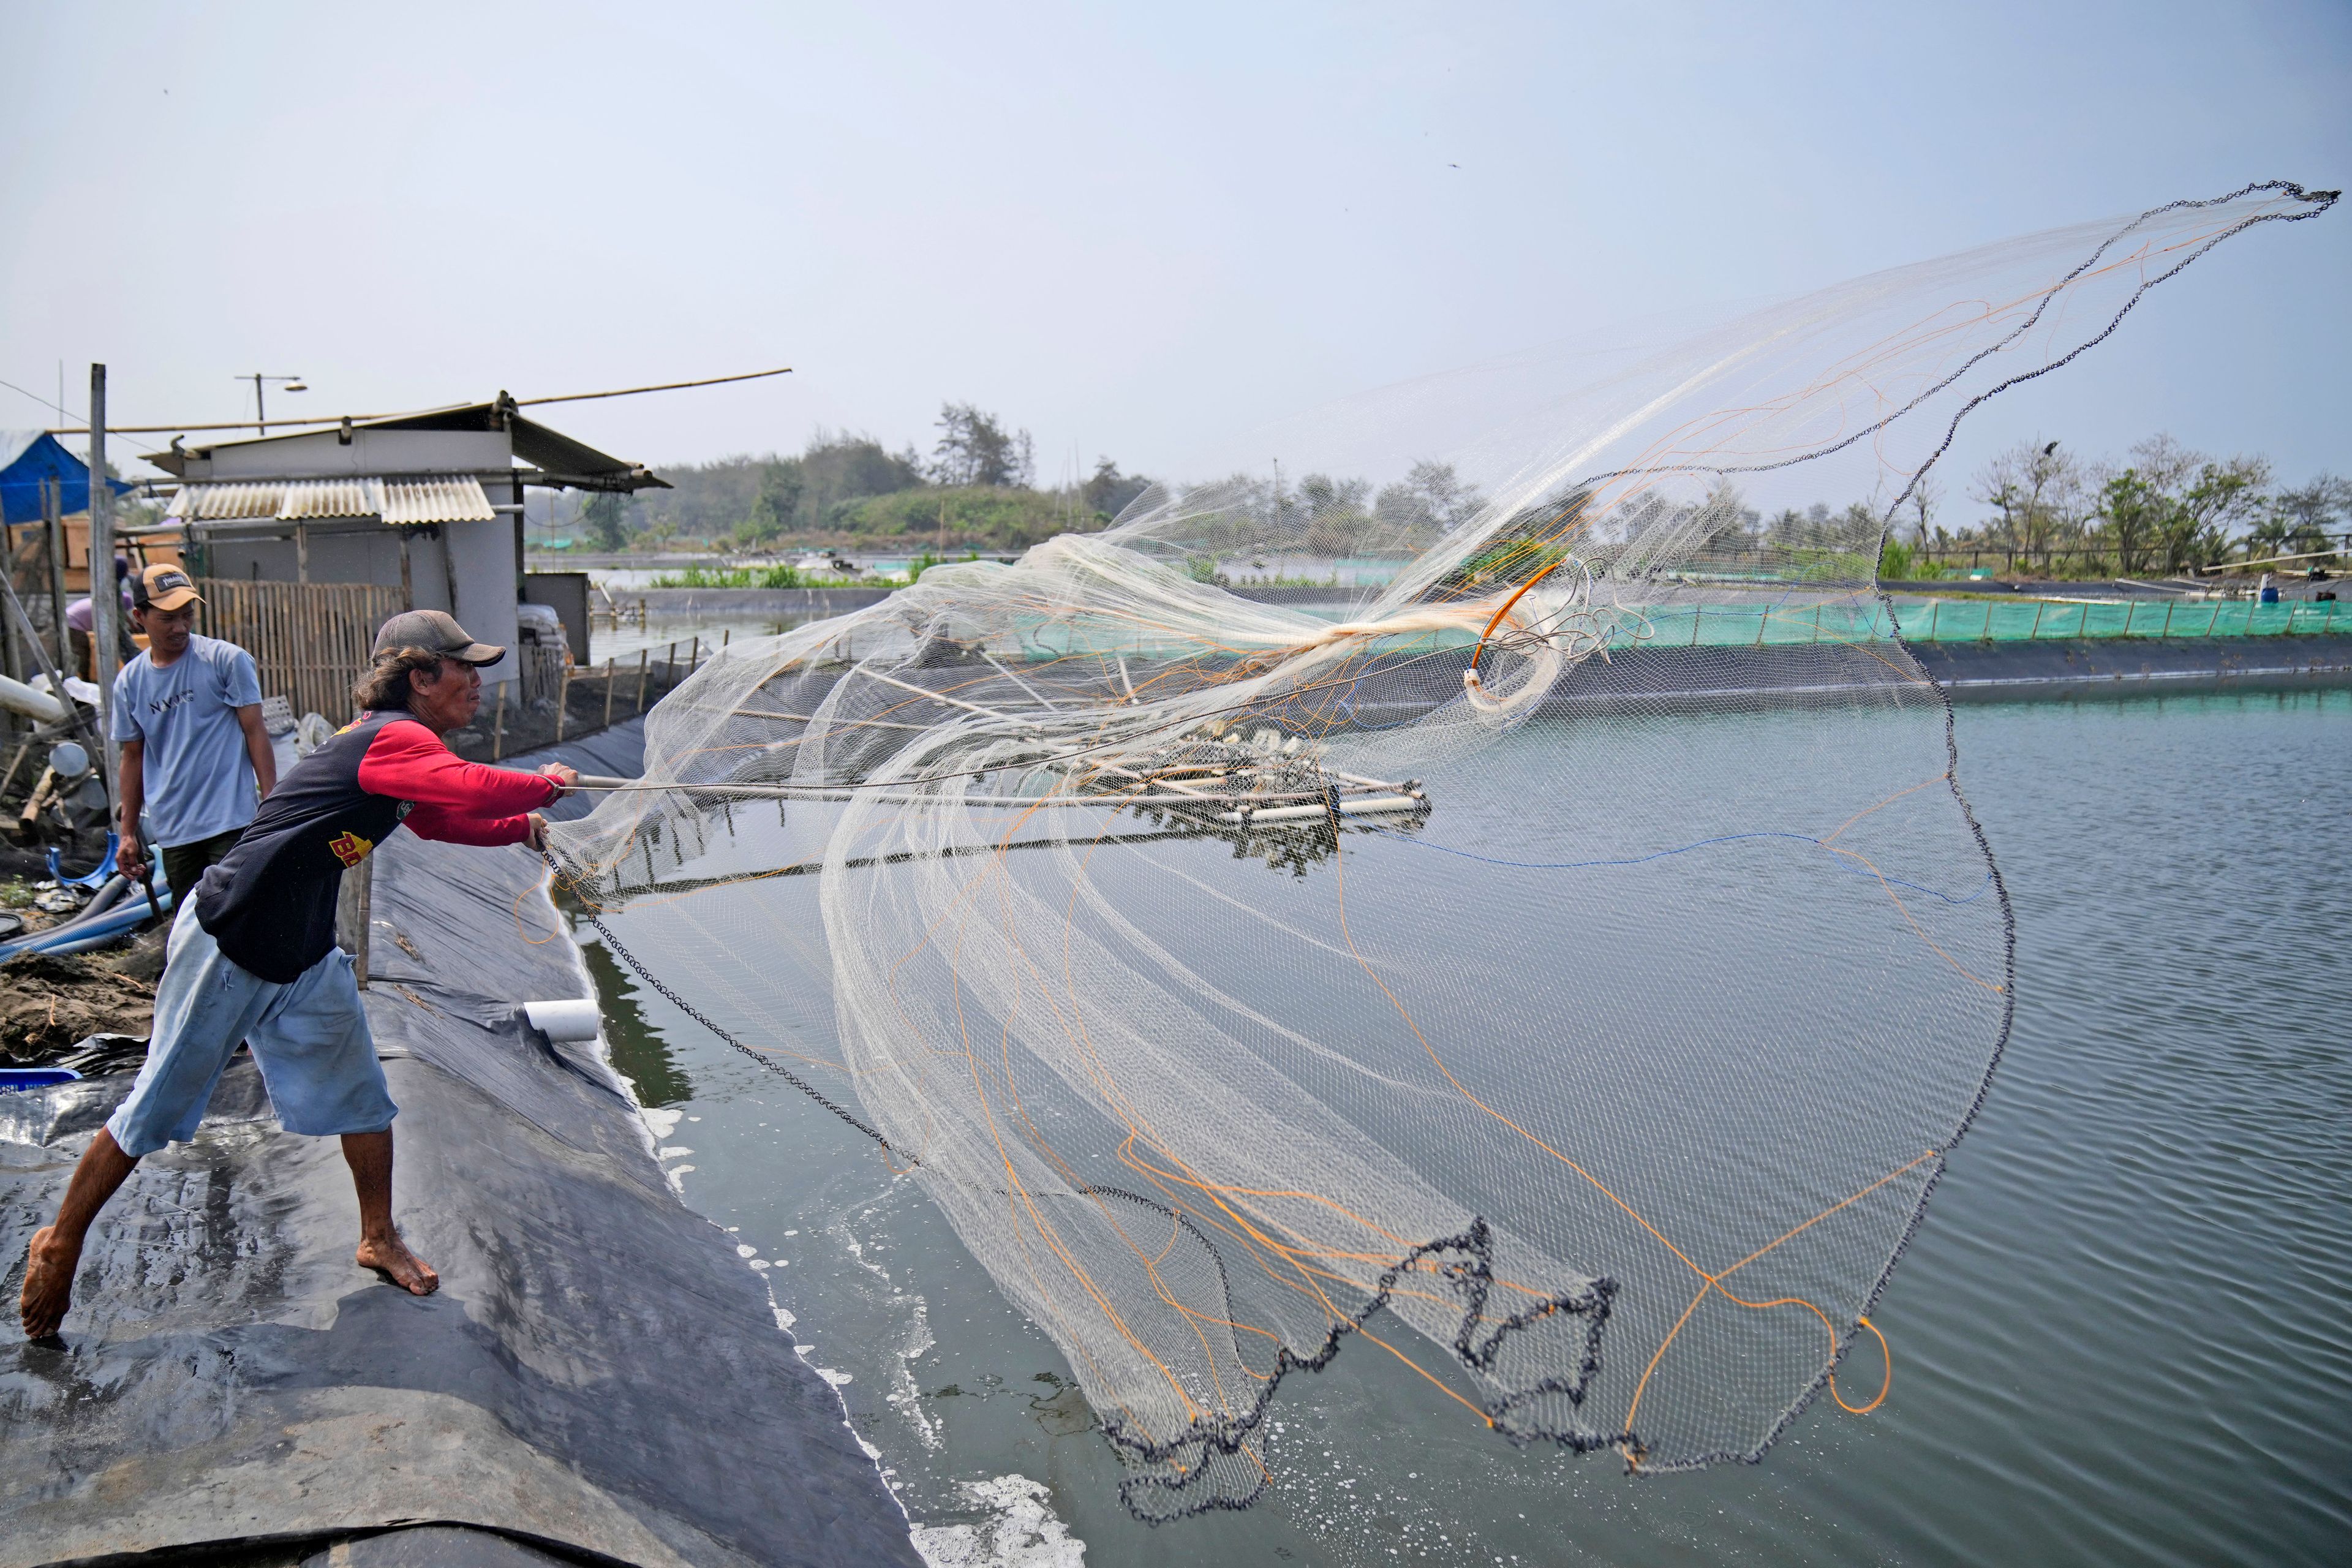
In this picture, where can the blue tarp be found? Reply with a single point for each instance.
(29, 457)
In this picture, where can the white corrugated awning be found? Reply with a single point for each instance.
(458, 498)
(216, 503)
(306, 500)
(410, 499)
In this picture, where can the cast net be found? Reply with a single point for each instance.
(1558, 956)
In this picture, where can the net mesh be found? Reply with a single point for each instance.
(1483, 968)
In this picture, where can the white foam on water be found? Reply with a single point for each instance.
(914, 1334)
(1021, 1531)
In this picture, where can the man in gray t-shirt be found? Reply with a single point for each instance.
(187, 714)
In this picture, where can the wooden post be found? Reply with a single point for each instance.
(12, 661)
(105, 597)
(608, 691)
(499, 724)
(449, 567)
(53, 504)
(645, 657)
(351, 901)
(301, 552)
(407, 576)
(563, 701)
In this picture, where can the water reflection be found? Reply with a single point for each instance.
(640, 1054)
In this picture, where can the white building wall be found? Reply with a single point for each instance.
(481, 555)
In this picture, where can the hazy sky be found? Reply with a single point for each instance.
(1124, 229)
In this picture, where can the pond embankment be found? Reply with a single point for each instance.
(599, 1378)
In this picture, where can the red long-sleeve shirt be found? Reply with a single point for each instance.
(270, 902)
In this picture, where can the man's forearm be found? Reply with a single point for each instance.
(265, 760)
(258, 747)
(131, 790)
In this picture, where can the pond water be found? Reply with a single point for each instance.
(2121, 1334)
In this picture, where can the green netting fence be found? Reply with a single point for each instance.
(1772, 624)
(1986, 620)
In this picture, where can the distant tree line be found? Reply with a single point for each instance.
(977, 491)
(1327, 515)
(2165, 509)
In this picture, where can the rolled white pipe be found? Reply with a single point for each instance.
(564, 1020)
(19, 697)
(1361, 806)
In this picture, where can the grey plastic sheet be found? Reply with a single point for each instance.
(599, 1375)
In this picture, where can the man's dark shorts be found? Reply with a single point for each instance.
(184, 863)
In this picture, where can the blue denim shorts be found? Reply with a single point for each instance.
(309, 1037)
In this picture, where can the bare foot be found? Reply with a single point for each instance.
(392, 1258)
(49, 1265)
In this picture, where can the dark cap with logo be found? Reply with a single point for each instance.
(163, 588)
(435, 631)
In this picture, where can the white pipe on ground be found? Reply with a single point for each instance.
(19, 697)
(564, 1020)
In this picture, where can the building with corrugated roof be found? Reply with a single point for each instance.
(430, 504)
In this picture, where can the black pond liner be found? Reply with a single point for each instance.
(599, 1378)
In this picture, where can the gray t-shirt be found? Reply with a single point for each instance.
(196, 771)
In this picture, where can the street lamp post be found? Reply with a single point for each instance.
(260, 416)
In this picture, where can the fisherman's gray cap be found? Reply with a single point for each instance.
(435, 631)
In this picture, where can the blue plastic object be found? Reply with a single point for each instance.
(96, 878)
(127, 916)
(14, 1079)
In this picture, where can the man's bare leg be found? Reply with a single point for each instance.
(380, 1249)
(56, 1252)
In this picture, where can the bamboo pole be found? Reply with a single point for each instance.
(499, 724)
(53, 504)
(645, 666)
(563, 700)
(608, 691)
